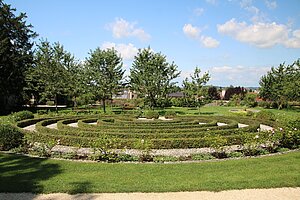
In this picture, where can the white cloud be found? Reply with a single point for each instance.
(191, 31)
(213, 2)
(247, 5)
(127, 51)
(122, 28)
(199, 11)
(194, 33)
(209, 42)
(260, 34)
(271, 4)
(239, 75)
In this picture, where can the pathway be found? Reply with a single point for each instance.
(247, 194)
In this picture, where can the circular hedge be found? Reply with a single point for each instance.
(125, 131)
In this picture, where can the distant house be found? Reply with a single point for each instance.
(176, 95)
(126, 94)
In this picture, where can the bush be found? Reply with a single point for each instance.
(202, 156)
(10, 137)
(235, 154)
(152, 114)
(265, 115)
(170, 114)
(264, 104)
(18, 116)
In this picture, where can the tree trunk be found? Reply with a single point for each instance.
(56, 110)
(103, 102)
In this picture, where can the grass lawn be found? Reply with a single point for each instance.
(24, 174)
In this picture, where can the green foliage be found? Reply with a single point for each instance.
(249, 100)
(290, 136)
(104, 74)
(163, 159)
(170, 114)
(265, 115)
(52, 74)
(151, 114)
(18, 116)
(277, 86)
(16, 56)
(193, 89)
(235, 154)
(151, 77)
(10, 137)
(202, 156)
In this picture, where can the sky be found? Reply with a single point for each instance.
(236, 41)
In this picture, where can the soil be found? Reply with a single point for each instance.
(248, 194)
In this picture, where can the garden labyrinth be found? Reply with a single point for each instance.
(127, 132)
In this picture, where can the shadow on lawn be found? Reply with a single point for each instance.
(23, 174)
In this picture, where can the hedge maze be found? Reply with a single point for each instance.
(126, 131)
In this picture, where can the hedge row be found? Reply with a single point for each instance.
(166, 143)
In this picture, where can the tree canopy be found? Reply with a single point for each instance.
(193, 87)
(151, 76)
(52, 74)
(104, 73)
(16, 56)
(281, 84)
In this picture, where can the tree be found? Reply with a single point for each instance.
(16, 56)
(281, 84)
(213, 93)
(52, 74)
(234, 90)
(105, 73)
(151, 77)
(193, 89)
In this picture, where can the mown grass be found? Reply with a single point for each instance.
(24, 174)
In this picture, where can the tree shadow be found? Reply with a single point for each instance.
(20, 173)
(80, 187)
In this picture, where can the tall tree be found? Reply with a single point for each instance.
(193, 87)
(281, 84)
(213, 93)
(52, 74)
(151, 77)
(15, 56)
(105, 73)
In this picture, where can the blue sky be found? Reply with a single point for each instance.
(237, 41)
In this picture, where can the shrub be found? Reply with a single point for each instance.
(265, 115)
(18, 116)
(162, 159)
(152, 114)
(170, 114)
(202, 156)
(10, 137)
(264, 104)
(234, 154)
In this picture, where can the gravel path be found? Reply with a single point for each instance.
(155, 152)
(30, 128)
(52, 126)
(73, 124)
(248, 194)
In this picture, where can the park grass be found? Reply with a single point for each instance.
(26, 174)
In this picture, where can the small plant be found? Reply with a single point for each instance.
(128, 158)
(151, 114)
(39, 149)
(10, 137)
(162, 159)
(18, 116)
(202, 156)
(170, 114)
(265, 115)
(235, 154)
